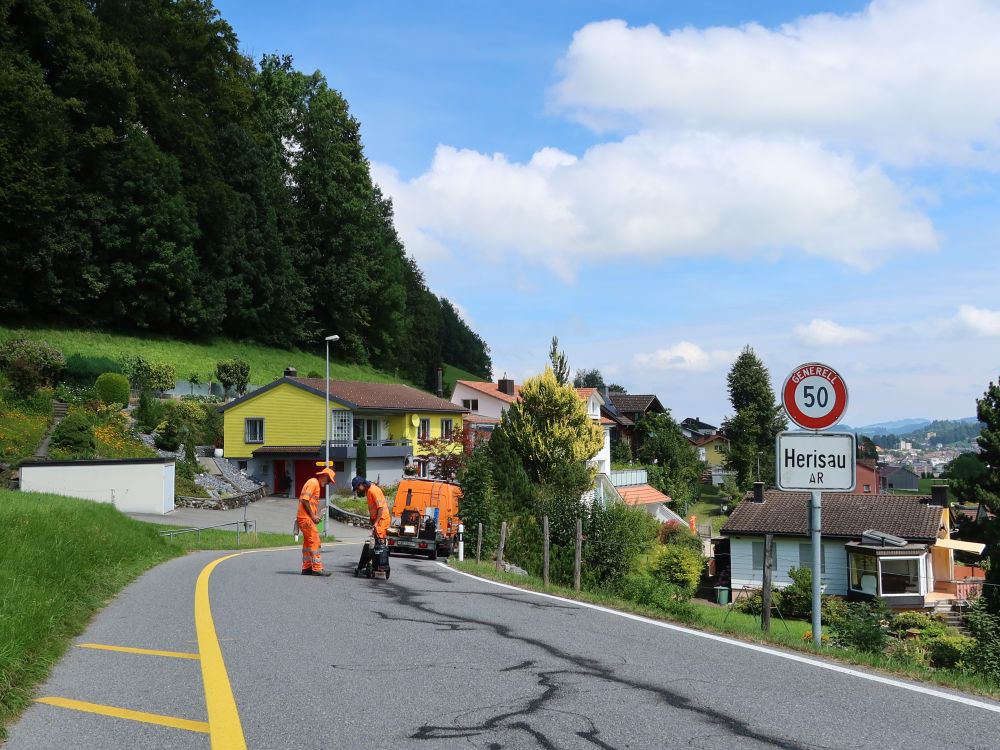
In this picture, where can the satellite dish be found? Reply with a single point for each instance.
(415, 420)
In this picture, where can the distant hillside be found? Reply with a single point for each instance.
(926, 433)
(895, 427)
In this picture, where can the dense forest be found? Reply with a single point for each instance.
(154, 178)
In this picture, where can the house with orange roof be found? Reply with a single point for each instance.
(487, 402)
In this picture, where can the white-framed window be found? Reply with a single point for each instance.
(806, 557)
(253, 430)
(863, 573)
(901, 576)
(472, 404)
(341, 426)
(367, 428)
(701, 454)
(446, 427)
(422, 469)
(757, 553)
(424, 431)
(868, 488)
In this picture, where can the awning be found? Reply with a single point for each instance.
(975, 547)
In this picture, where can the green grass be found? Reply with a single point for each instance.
(222, 539)
(21, 431)
(266, 363)
(796, 636)
(452, 373)
(61, 561)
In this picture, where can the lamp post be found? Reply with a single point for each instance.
(326, 439)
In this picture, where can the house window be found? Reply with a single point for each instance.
(341, 426)
(368, 429)
(253, 430)
(806, 557)
(868, 488)
(864, 573)
(472, 404)
(422, 469)
(446, 429)
(899, 575)
(424, 431)
(757, 551)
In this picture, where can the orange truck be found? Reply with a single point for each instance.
(425, 518)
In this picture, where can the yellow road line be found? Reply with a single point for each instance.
(225, 729)
(148, 652)
(125, 713)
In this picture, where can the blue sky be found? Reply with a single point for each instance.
(660, 184)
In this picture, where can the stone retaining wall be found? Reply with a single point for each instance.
(223, 503)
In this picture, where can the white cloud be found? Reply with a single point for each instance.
(980, 320)
(684, 356)
(657, 195)
(912, 80)
(828, 333)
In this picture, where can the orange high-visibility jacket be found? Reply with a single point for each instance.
(378, 511)
(310, 496)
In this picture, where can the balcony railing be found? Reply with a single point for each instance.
(628, 477)
(374, 448)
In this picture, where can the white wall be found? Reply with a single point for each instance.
(132, 486)
(488, 405)
(786, 552)
(603, 457)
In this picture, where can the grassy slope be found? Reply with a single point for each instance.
(451, 373)
(266, 363)
(20, 432)
(61, 560)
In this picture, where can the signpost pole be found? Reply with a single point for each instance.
(817, 571)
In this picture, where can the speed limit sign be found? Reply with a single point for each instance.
(814, 396)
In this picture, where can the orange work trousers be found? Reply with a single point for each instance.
(311, 559)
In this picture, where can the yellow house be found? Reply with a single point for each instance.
(276, 433)
(711, 449)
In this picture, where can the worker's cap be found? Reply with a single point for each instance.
(357, 482)
(328, 473)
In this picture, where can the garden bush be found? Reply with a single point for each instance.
(135, 367)
(947, 651)
(112, 388)
(30, 364)
(679, 566)
(671, 532)
(984, 658)
(795, 600)
(616, 536)
(233, 374)
(927, 625)
(149, 413)
(75, 435)
(83, 370)
(162, 376)
(751, 604)
(863, 627)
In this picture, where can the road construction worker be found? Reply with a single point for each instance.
(378, 513)
(308, 517)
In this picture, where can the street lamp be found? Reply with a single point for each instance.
(326, 440)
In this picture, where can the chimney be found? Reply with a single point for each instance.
(291, 372)
(939, 495)
(758, 492)
(604, 394)
(440, 383)
(506, 385)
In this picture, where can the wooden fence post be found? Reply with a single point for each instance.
(577, 558)
(545, 550)
(765, 595)
(479, 542)
(503, 541)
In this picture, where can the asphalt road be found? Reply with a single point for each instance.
(435, 659)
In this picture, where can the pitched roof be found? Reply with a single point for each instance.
(888, 471)
(491, 389)
(358, 395)
(617, 417)
(632, 402)
(844, 515)
(693, 423)
(642, 494)
(705, 439)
